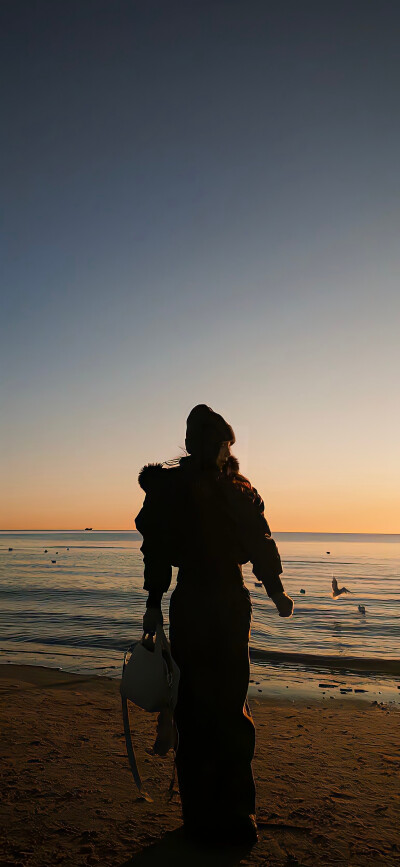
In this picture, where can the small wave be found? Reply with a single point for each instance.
(70, 641)
(317, 661)
(71, 593)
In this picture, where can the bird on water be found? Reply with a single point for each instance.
(336, 590)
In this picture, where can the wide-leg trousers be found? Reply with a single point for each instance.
(209, 633)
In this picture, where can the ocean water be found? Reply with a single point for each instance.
(81, 611)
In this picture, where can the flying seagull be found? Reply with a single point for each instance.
(337, 591)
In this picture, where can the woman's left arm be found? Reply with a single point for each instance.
(248, 509)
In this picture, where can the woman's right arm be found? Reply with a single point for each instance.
(157, 568)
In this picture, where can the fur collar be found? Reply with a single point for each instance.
(151, 474)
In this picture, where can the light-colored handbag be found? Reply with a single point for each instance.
(150, 679)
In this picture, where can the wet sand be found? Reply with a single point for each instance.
(327, 777)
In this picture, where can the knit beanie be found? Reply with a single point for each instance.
(204, 427)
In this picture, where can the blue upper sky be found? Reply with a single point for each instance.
(200, 203)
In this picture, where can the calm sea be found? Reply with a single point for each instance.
(81, 611)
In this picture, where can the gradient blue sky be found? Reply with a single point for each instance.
(200, 203)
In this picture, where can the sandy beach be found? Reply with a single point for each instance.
(327, 780)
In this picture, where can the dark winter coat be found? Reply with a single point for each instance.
(203, 522)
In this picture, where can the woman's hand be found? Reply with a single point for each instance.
(152, 617)
(283, 603)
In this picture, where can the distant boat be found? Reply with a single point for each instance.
(45, 550)
(88, 528)
(302, 591)
(54, 561)
(328, 552)
(258, 584)
(10, 549)
(361, 609)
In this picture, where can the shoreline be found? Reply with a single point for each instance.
(306, 661)
(41, 675)
(326, 778)
(279, 678)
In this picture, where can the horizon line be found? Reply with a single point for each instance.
(107, 530)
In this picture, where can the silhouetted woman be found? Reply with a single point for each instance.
(204, 517)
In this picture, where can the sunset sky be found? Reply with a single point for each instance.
(200, 203)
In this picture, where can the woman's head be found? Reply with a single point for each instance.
(208, 436)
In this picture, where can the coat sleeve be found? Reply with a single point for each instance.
(157, 567)
(255, 535)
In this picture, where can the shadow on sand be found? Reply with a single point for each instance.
(175, 848)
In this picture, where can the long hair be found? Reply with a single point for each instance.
(206, 460)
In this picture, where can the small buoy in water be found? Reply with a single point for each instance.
(328, 552)
(54, 561)
(302, 591)
(258, 584)
(45, 550)
(56, 552)
(361, 609)
(67, 549)
(10, 549)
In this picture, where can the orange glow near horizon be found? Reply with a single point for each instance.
(288, 511)
(318, 477)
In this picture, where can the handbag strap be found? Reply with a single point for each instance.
(127, 729)
(129, 748)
